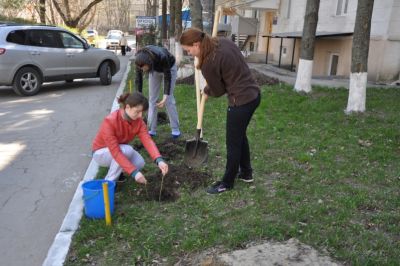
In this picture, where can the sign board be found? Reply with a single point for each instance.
(145, 21)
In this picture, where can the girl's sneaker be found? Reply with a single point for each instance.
(246, 178)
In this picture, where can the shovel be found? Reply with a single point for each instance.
(196, 151)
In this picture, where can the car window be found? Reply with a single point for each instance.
(42, 38)
(70, 41)
(17, 36)
(114, 36)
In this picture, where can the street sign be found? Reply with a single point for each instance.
(145, 21)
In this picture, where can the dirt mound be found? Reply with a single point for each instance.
(162, 118)
(189, 80)
(262, 79)
(179, 175)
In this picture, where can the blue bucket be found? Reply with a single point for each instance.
(94, 199)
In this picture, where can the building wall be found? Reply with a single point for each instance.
(384, 53)
(384, 60)
(325, 48)
(266, 18)
(286, 58)
(329, 21)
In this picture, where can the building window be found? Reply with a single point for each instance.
(341, 8)
(275, 20)
(251, 46)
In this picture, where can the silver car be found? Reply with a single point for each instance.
(31, 55)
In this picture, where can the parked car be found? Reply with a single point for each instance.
(112, 39)
(31, 55)
(92, 33)
(92, 37)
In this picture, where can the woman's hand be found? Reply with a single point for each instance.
(163, 167)
(161, 103)
(139, 177)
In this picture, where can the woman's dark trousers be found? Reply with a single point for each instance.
(237, 145)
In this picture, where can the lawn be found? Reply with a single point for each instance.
(329, 179)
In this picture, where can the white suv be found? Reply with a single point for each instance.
(31, 55)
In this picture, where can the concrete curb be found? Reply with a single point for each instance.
(59, 249)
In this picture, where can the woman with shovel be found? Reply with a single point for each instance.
(161, 67)
(111, 145)
(223, 67)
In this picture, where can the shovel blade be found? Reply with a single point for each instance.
(196, 152)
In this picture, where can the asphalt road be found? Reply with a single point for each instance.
(45, 148)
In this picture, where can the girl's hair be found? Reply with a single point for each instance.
(143, 57)
(133, 99)
(207, 44)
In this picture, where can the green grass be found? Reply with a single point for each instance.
(329, 179)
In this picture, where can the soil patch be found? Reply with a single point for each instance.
(262, 79)
(162, 118)
(179, 175)
(189, 80)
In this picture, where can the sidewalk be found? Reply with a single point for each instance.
(59, 249)
(289, 77)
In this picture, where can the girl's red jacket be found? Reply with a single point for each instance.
(116, 130)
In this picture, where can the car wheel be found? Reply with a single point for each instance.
(27, 81)
(105, 74)
(69, 80)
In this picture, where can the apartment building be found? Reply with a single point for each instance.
(279, 26)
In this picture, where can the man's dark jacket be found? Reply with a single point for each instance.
(162, 61)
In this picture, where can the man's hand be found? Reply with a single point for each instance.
(162, 102)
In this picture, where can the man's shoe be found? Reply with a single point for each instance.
(245, 178)
(175, 136)
(217, 188)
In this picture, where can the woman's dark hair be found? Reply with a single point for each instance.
(133, 99)
(143, 57)
(207, 43)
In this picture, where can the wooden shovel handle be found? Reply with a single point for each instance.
(201, 111)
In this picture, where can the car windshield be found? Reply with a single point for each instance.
(113, 36)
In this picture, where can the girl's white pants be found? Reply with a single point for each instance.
(104, 158)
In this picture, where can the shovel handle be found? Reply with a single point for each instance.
(201, 111)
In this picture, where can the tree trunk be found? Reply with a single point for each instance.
(304, 72)
(171, 18)
(213, 16)
(359, 57)
(196, 12)
(67, 15)
(178, 19)
(154, 8)
(164, 22)
(178, 31)
(42, 11)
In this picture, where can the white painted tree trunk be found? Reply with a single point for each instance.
(303, 78)
(172, 45)
(178, 53)
(357, 92)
